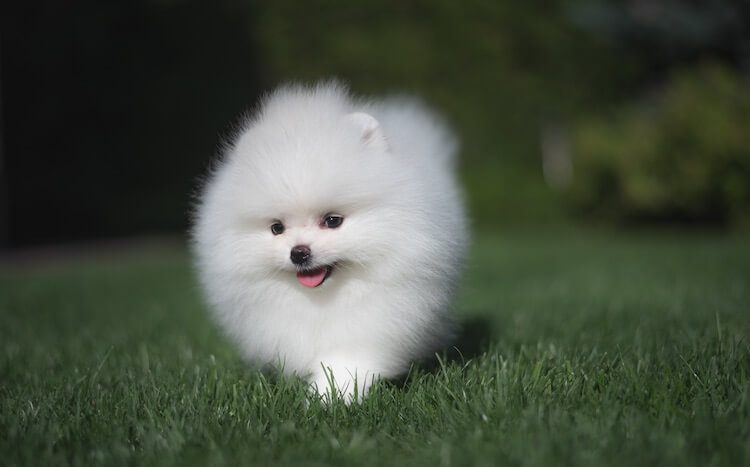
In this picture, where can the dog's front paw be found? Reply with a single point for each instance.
(340, 382)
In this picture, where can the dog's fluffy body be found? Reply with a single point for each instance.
(387, 168)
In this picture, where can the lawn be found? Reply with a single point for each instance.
(580, 347)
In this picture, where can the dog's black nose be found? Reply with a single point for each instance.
(300, 254)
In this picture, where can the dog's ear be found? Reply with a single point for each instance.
(371, 133)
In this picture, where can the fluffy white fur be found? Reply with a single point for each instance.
(387, 167)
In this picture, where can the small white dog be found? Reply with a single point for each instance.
(330, 237)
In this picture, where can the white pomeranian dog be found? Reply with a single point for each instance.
(330, 237)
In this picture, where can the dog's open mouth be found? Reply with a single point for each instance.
(314, 277)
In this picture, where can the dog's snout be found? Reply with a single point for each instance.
(300, 254)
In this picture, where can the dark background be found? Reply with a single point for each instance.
(617, 112)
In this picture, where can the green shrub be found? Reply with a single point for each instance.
(685, 156)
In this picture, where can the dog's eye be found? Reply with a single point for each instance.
(332, 220)
(277, 228)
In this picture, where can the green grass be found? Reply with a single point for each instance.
(581, 347)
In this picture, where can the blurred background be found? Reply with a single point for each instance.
(624, 113)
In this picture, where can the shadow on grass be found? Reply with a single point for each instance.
(472, 340)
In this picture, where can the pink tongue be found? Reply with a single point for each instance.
(312, 278)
